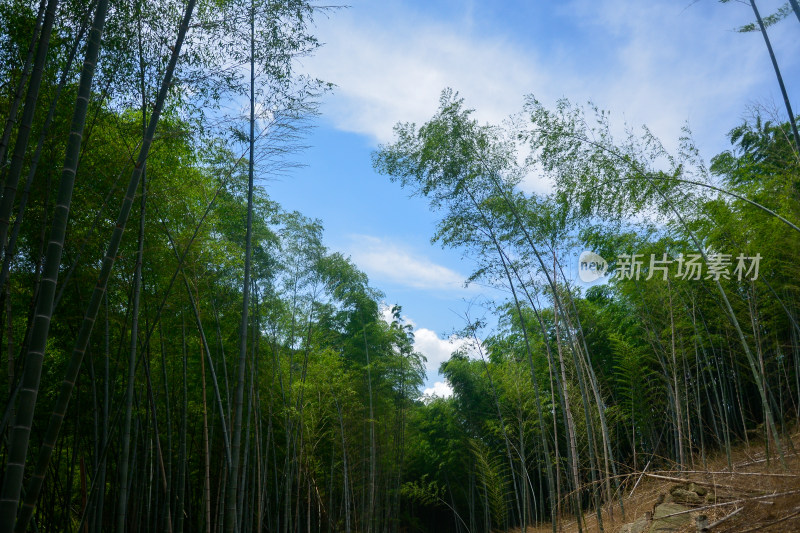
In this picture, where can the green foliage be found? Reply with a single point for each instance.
(655, 363)
(334, 431)
(423, 491)
(494, 479)
(782, 12)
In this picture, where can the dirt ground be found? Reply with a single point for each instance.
(756, 495)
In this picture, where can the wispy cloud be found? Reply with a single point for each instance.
(392, 71)
(658, 63)
(388, 261)
(668, 63)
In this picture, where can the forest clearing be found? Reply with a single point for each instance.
(185, 350)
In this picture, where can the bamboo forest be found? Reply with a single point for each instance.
(183, 350)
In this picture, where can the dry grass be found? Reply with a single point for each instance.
(764, 496)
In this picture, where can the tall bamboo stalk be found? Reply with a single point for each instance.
(122, 499)
(10, 247)
(20, 435)
(56, 419)
(231, 514)
(778, 75)
(795, 8)
(20, 89)
(206, 449)
(28, 112)
(182, 458)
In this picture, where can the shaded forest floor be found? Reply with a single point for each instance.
(756, 495)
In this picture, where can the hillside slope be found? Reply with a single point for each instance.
(757, 494)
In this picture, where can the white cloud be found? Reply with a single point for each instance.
(426, 341)
(660, 63)
(666, 63)
(387, 316)
(393, 71)
(385, 260)
(386, 313)
(436, 349)
(440, 388)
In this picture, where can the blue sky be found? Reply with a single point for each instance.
(663, 63)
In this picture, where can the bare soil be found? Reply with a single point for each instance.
(757, 494)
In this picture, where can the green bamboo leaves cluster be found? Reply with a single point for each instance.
(604, 367)
(173, 405)
(221, 369)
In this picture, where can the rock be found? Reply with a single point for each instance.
(681, 495)
(675, 487)
(662, 522)
(639, 526)
(701, 491)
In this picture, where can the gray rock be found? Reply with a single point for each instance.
(662, 522)
(639, 526)
(685, 496)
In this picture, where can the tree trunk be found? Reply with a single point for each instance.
(778, 70)
(10, 247)
(122, 503)
(20, 434)
(42, 323)
(23, 79)
(231, 514)
(28, 112)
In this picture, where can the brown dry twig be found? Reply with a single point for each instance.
(741, 500)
